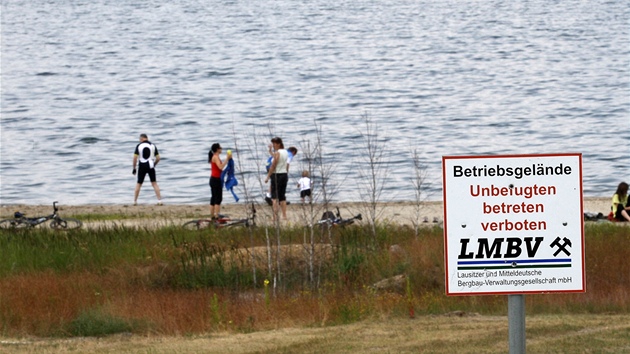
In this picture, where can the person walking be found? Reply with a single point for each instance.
(216, 183)
(279, 178)
(146, 156)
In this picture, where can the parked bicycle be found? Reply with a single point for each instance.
(331, 220)
(222, 221)
(20, 221)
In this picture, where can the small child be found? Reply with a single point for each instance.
(305, 186)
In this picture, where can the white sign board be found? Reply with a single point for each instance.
(513, 224)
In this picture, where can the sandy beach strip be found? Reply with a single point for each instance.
(401, 213)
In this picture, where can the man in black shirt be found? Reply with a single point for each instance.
(148, 157)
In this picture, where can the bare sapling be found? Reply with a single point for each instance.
(320, 169)
(373, 169)
(276, 210)
(307, 208)
(255, 145)
(249, 200)
(328, 182)
(418, 180)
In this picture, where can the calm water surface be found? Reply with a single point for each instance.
(81, 80)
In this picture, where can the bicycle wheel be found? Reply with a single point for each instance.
(233, 223)
(197, 224)
(12, 224)
(65, 224)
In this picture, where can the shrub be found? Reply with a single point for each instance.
(97, 323)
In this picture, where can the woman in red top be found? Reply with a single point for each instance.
(216, 186)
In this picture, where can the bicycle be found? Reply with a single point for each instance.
(20, 221)
(331, 220)
(222, 221)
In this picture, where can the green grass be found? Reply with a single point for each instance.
(47, 250)
(195, 281)
(106, 217)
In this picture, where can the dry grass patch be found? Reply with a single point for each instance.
(426, 334)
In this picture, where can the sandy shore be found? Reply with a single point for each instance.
(405, 213)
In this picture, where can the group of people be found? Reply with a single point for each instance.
(146, 157)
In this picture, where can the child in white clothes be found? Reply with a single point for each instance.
(305, 186)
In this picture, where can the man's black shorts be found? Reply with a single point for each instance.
(143, 170)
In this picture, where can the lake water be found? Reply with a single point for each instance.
(82, 79)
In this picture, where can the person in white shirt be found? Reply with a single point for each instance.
(292, 151)
(278, 174)
(304, 184)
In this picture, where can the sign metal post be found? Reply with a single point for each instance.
(516, 323)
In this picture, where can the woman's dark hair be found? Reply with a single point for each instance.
(278, 141)
(213, 149)
(622, 189)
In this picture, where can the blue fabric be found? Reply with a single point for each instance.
(231, 181)
(270, 160)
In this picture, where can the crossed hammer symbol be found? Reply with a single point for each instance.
(561, 247)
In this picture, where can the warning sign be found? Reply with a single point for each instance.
(513, 224)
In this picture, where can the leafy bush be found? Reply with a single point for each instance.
(97, 323)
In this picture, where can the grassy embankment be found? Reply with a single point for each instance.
(168, 281)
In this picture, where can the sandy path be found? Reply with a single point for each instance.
(143, 215)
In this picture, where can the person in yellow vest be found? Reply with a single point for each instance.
(620, 207)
